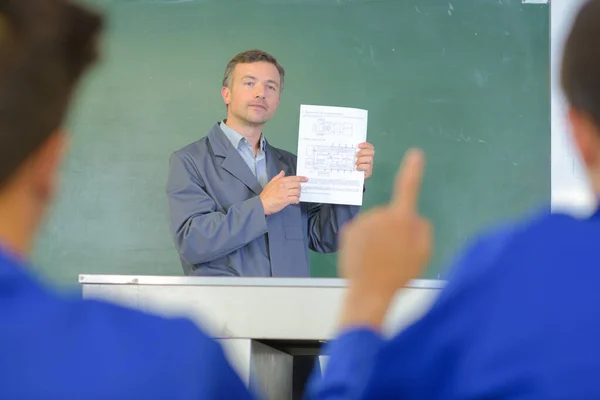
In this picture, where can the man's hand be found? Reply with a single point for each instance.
(280, 192)
(382, 249)
(364, 158)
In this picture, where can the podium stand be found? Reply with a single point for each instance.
(262, 323)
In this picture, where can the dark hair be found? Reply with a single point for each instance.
(251, 56)
(45, 47)
(581, 62)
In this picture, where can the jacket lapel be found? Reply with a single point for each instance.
(275, 163)
(233, 162)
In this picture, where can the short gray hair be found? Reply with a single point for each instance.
(251, 56)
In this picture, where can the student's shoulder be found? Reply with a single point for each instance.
(106, 327)
(131, 324)
(109, 348)
(189, 362)
(490, 248)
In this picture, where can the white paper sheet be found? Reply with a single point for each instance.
(328, 141)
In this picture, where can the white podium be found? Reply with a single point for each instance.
(261, 322)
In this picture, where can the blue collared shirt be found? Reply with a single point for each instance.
(56, 347)
(258, 163)
(518, 319)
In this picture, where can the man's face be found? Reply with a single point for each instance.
(253, 95)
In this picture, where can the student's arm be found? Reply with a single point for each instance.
(419, 362)
(133, 355)
(200, 232)
(87, 349)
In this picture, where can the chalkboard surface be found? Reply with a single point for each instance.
(466, 80)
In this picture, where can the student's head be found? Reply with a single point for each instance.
(45, 47)
(252, 86)
(581, 84)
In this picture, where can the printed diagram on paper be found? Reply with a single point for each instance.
(323, 127)
(327, 146)
(338, 158)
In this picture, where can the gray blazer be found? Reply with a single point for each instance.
(218, 223)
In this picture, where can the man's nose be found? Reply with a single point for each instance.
(259, 91)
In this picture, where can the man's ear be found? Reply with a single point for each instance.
(586, 137)
(226, 93)
(45, 164)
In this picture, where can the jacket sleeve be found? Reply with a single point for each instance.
(202, 233)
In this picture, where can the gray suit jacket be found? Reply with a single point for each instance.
(218, 222)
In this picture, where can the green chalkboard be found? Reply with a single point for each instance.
(466, 80)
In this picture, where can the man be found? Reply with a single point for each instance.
(56, 347)
(520, 315)
(234, 199)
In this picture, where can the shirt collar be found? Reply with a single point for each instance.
(235, 137)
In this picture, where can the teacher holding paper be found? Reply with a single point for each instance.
(234, 200)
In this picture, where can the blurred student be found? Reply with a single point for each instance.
(56, 347)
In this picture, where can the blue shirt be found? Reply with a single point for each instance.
(257, 163)
(518, 319)
(54, 347)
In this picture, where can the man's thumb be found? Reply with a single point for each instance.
(280, 175)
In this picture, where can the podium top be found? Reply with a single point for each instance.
(163, 280)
